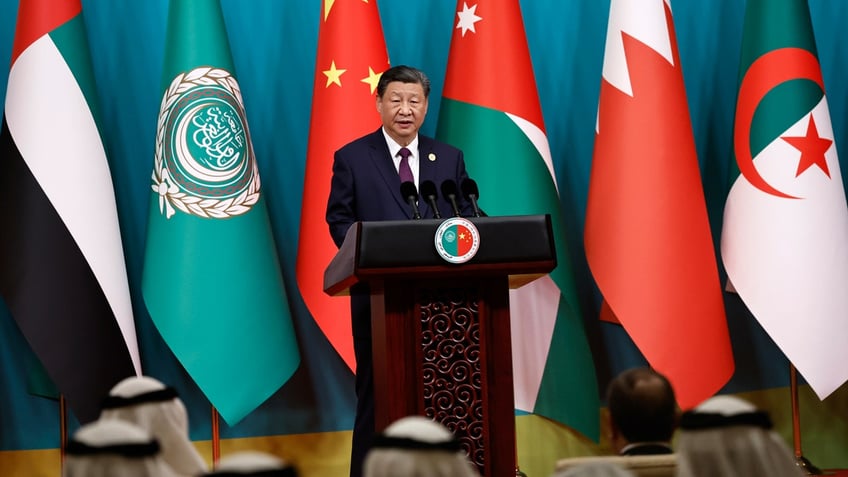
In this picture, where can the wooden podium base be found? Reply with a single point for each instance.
(462, 373)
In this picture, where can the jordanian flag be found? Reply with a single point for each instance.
(62, 270)
(491, 111)
(212, 280)
(785, 237)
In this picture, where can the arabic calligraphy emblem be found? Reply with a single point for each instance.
(204, 162)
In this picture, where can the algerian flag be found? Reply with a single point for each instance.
(491, 111)
(212, 280)
(785, 237)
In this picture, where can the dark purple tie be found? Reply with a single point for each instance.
(404, 171)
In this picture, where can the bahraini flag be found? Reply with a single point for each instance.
(647, 234)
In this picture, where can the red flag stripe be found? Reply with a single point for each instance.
(503, 53)
(37, 18)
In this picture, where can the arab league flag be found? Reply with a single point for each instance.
(350, 59)
(498, 125)
(62, 270)
(647, 234)
(212, 280)
(785, 237)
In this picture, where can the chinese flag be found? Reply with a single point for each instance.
(351, 57)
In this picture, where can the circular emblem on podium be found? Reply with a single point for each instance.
(457, 240)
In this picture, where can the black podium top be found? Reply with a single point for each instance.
(519, 246)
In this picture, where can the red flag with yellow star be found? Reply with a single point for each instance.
(351, 57)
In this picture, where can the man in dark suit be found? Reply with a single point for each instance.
(366, 186)
(643, 412)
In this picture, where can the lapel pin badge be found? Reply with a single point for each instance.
(432, 157)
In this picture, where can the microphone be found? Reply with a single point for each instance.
(449, 192)
(471, 194)
(408, 191)
(428, 190)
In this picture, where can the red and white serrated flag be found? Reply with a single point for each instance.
(350, 59)
(647, 233)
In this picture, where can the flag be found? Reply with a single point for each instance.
(785, 237)
(62, 269)
(212, 281)
(350, 59)
(647, 234)
(490, 109)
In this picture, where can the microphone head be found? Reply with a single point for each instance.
(407, 190)
(469, 188)
(449, 188)
(428, 189)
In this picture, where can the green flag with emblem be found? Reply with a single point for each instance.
(212, 280)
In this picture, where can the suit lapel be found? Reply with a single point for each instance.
(427, 166)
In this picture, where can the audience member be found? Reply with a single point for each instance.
(643, 412)
(416, 446)
(111, 447)
(156, 408)
(728, 436)
(594, 469)
(252, 463)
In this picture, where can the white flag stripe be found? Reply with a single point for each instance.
(533, 312)
(539, 140)
(55, 132)
(788, 258)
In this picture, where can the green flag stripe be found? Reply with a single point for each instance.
(512, 177)
(71, 41)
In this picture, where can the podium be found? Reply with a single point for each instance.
(440, 330)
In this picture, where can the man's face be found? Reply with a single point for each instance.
(402, 109)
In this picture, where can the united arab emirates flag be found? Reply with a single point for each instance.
(62, 269)
(785, 237)
(212, 280)
(491, 111)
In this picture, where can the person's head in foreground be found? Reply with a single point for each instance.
(416, 446)
(643, 412)
(728, 436)
(110, 448)
(156, 408)
(252, 463)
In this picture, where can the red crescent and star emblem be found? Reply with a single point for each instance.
(767, 72)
